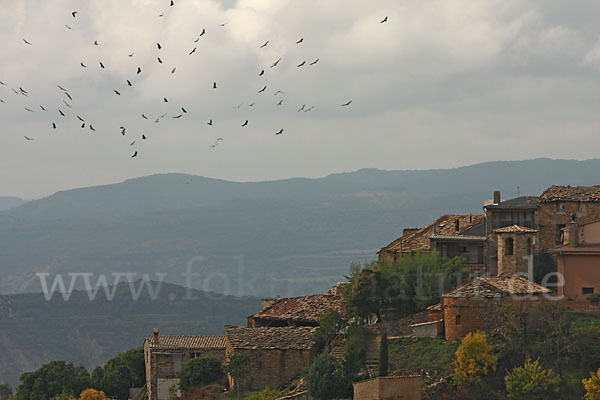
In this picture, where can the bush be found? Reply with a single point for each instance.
(324, 380)
(474, 358)
(592, 386)
(200, 371)
(531, 382)
(594, 298)
(355, 351)
(265, 394)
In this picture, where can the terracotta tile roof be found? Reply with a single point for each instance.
(281, 338)
(496, 287)
(515, 229)
(571, 193)
(337, 289)
(302, 308)
(435, 307)
(444, 226)
(187, 342)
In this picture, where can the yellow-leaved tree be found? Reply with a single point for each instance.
(474, 359)
(592, 386)
(92, 394)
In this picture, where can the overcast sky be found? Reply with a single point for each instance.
(443, 83)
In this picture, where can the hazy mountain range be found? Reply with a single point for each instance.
(284, 237)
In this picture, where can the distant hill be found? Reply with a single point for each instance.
(34, 331)
(286, 237)
(7, 203)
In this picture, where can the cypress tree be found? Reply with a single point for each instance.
(383, 356)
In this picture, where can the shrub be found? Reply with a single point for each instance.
(592, 386)
(324, 380)
(531, 382)
(200, 371)
(474, 358)
(265, 394)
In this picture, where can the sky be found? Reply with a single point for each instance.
(440, 84)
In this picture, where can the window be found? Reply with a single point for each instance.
(508, 246)
(560, 234)
(560, 206)
(458, 320)
(195, 355)
(587, 290)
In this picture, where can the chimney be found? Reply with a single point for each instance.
(497, 197)
(457, 225)
(572, 233)
(470, 218)
(155, 335)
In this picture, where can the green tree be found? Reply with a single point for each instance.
(366, 297)
(324, 379)
(6, 392)
(474, 359)
(383, 356)
(331, 323)
(53, 379)
(531, 382)
(355, 351)
(200, 371)
(236, 366)
(592, 386)
(543, 264)
(120, 373)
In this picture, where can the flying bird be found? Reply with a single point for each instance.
(28, 109)
(192, 52)
(302, 108)
(165, 100)
(184, 110)
(83, 65)
(53, 125)
(122, 130)
(383, 20)
(61, 113)
(67, 104)
(23, 90)
(314, 62)
(252, 104)
(68, 95)
(144, 116)
(300, 41)
(200, 35)
(280, 102)
(132, 143)
(301, 64)
(83, 125)
(217, 142)
(214, 85)
(278, 92)
(62, 88)
(81, 119)
(68, 27)
(309, 109)
(42, 107)
(2, 101)
(117, 92)
(101, 65)
(139, 70)
(172, 3)
(2, 83)
(275, 63)
(92, 128)
(263, 89)
(209, 123)
(245, 123)
(264, 45)
(95, 43)
(130, 55)
(26, 42)
(262, 72)
(74, 13)
(158, 45)
(173, 70)
(134, 154)
(280, 132)
(159, 60)
(143, 137)
(129, 82)
(28, 138)
(347, 104)
(178, 116)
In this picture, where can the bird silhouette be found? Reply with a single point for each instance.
(143, 137)
(173, 70)
(314, 62)
(347, 104)
(53, 125)
(95, 43)
(383, 20)
(67, 104)
(159, 60)
(262, 72)
(92, 128)
(302, 108)
(158, 45)
(301, 64)
(28, 138)
(252, 104)
(193, 51)
(68, 27)
(74, 13)
(275, 63)
(28, 109)
(178, 116)
(101, 65)
(83, 125)
(280, 102)
(217, 142)
(81, 119)
(117, 92)
(129, 82)
(134, 155)
(132, 143)
(61, 113)
(300, 41)
(172, 3)
(264, 45)
(68, 95)
(62, 88)
(245, 123)
(165, 100)
(210, 123)
(263, 89)
(214, 85)
(42, 107)
(122, 130)
(278, 92)
(26, 42)
(139, 70)
(83, 65)
(130, 55)
(143, 116)
(184, 110)
(2, 83)
(280, 132)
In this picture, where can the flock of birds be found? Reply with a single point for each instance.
(66, 107)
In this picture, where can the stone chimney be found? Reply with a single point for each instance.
(155, 339)
(497, 197)
(571, 234)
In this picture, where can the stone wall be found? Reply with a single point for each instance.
(272, 367)
(462, 316)
(389, 387)
(518, 262)
(549, 215)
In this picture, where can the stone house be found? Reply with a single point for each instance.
(471, 307)
(389, 388)
(450, 235)
(165, 356)
(578, 261)
(277, 354)
(515, 247)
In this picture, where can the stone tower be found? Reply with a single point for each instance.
(515, 250)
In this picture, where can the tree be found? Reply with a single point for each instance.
(543, 264)
(53, 379)
(531, 382)
(200, 371)
(120, 373)
(366, 297)
(383, 356)
(474, 358)
(355, 351)
(236, 367)
(331, 323)
(592, 386)
(92, 394)
(6, 392)
(324, 379)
